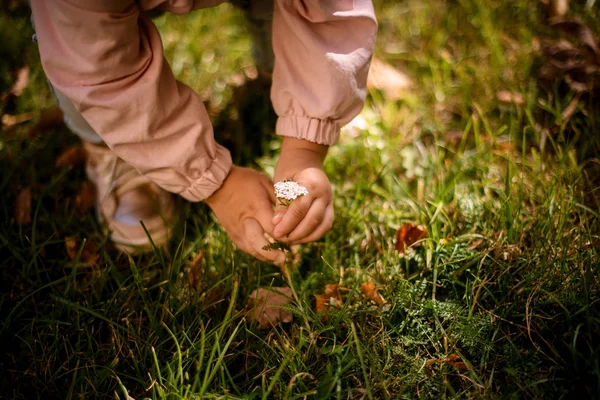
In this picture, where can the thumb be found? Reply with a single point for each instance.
(265, 217)
(278, 212)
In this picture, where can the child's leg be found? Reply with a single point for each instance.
(73, 119)
(124, 197)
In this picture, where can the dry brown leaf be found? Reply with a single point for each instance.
(576, 86)
(505, 96)
(570, 109)
(72, 156)
(455, 361)
(475, 244)
(507, 253)
(49, 118)
(369, 290)
(89, 254)
(86, 197)
(409, 235)
(264, 306)
(23, 207)
(321, 303)
(429, 363)
(578, 29)
(332, 291)
(21, 82)
(505, 146)
(331, 297)
(388, 79)
(12, 120)
(196, 270)
(587, 246)
(576, 61)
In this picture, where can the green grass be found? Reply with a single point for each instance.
(507, 278)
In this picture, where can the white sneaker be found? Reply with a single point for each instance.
(124, 197)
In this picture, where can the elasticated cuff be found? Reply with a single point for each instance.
(212, 179)
(312, 129)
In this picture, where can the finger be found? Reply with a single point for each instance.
(263, 213)
(278, 214)
(242, 244)
(264, 210)
(292, 216)
(313, 218)
(319, 231)
(255, 240)
(268, 185)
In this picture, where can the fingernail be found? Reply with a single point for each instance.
(277, 218)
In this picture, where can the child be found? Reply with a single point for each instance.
(148, 134)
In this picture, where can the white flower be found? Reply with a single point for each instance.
(288, 190)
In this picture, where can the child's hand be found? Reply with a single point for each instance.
(244, 207)
(308, 217)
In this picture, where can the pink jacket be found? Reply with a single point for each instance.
(107, 57)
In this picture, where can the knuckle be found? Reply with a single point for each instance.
(316, 221)
(297, 212)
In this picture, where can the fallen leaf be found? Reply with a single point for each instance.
(321, 304)
(264, 306)
(587, 246)
(578, 29)
(12, 120)
(455, 361)
(370, 292)
(331, 297)
(505, 96)
(505, 146)
(86, 197)
(577, 86)
(49, 118)
(507, 253)
(72, 156)
(23, 207)
(409, 235)
(196, 269)
(332, 291)
(429, 363)
(388, 79)
(570, 109)
(89, 254)
(475, 244)
(21, 82)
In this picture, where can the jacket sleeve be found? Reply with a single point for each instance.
(107, 58)
(322, 51)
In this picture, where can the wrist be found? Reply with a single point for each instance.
(302, 147)
(214, 198)
(297, 155)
